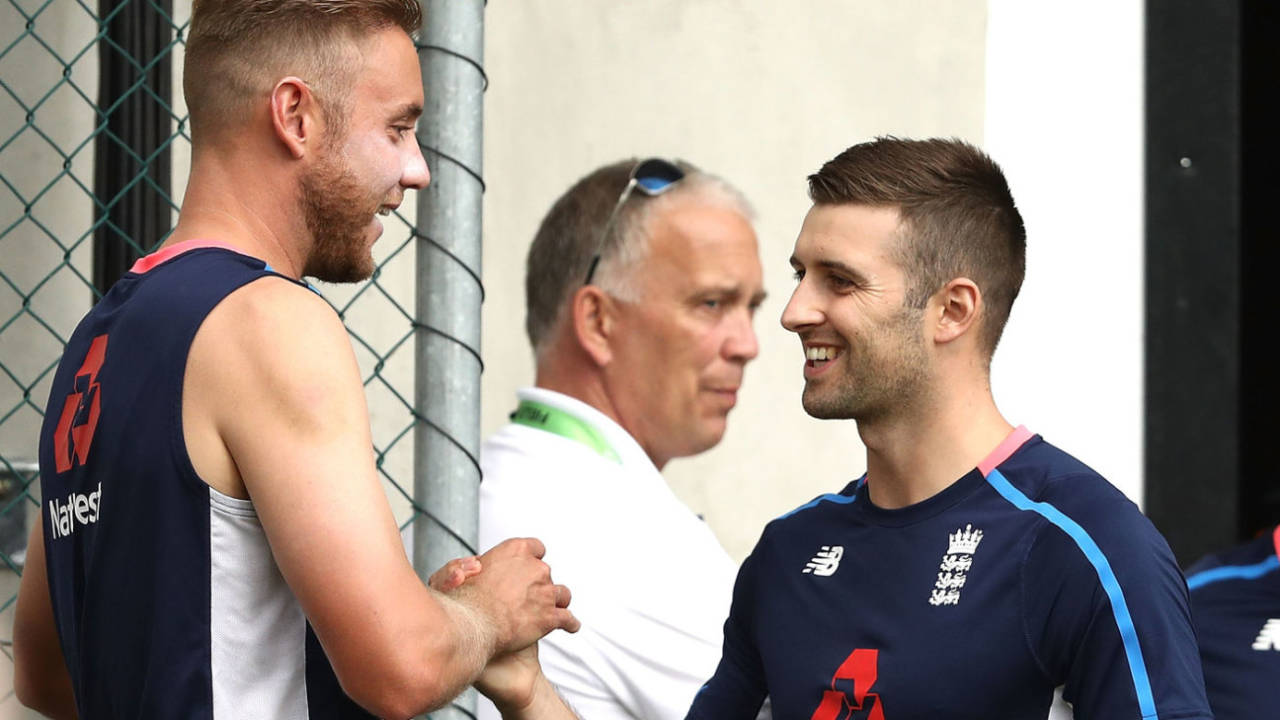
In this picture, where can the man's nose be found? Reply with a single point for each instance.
(801, 311)
(414, 174)
(742, 344)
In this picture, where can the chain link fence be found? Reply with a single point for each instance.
(53, 121)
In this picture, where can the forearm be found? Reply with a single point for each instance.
(470, 645)
(406, 652)
(545, 704)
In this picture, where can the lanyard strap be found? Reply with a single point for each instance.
(545, 417)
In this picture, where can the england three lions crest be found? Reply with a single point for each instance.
(953, 571)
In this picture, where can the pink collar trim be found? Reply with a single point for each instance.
(1008, 447)
(147, 263)
(1275, 540)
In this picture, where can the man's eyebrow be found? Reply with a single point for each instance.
(840, 267)
(407, 112)
(836, 265)
(728, 289)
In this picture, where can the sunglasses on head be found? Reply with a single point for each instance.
(651, 177)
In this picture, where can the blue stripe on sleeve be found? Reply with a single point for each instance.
(836, 498)
(829, 497)
(1119, 608)
(1233, 572)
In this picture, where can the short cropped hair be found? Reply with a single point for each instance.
(570, 233)
(238, 49)
(958, 218)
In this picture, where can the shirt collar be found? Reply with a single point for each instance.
(629, 451)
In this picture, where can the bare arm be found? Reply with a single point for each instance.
(274, 408)
(517, 687)
(40, 677)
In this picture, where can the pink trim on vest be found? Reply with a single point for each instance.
(1275, 540)
(148, 262)
(1007, 447)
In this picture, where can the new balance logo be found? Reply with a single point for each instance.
(825, 562)
(1269, 638)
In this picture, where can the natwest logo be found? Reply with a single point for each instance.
(74, 432)
(850, 696)
(77, 510)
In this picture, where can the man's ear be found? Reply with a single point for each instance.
(294, 115)
(956, 308)
(593, 323)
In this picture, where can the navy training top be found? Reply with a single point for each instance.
(1028, 573)
(1235, 603)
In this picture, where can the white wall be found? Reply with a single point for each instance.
(1064, 117)
(760, 92)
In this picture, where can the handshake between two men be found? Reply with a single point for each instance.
(513, 573)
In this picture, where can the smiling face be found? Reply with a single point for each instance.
(366, 170)
(682, 346)
(865, 351)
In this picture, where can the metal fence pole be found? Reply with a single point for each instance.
(449, 292)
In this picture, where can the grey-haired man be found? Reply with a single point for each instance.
(642, 282)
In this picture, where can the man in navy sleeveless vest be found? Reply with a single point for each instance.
(974, 568)
(214, 540)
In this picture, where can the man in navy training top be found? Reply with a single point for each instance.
(1235, 602)
(974, 568)
(214, 541)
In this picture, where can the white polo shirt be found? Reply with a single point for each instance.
(650, 582)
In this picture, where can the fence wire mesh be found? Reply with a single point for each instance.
(52, 121)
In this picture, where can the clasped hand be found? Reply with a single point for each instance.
(512, 587)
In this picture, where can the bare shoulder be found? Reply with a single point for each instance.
(270, 330)
(278, 347)
(274, 309)
(272, 359)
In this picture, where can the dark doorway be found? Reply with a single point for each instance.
(1260, 231)
(1212, 453)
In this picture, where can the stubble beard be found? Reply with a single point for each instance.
(885, 373)
(338, 210)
